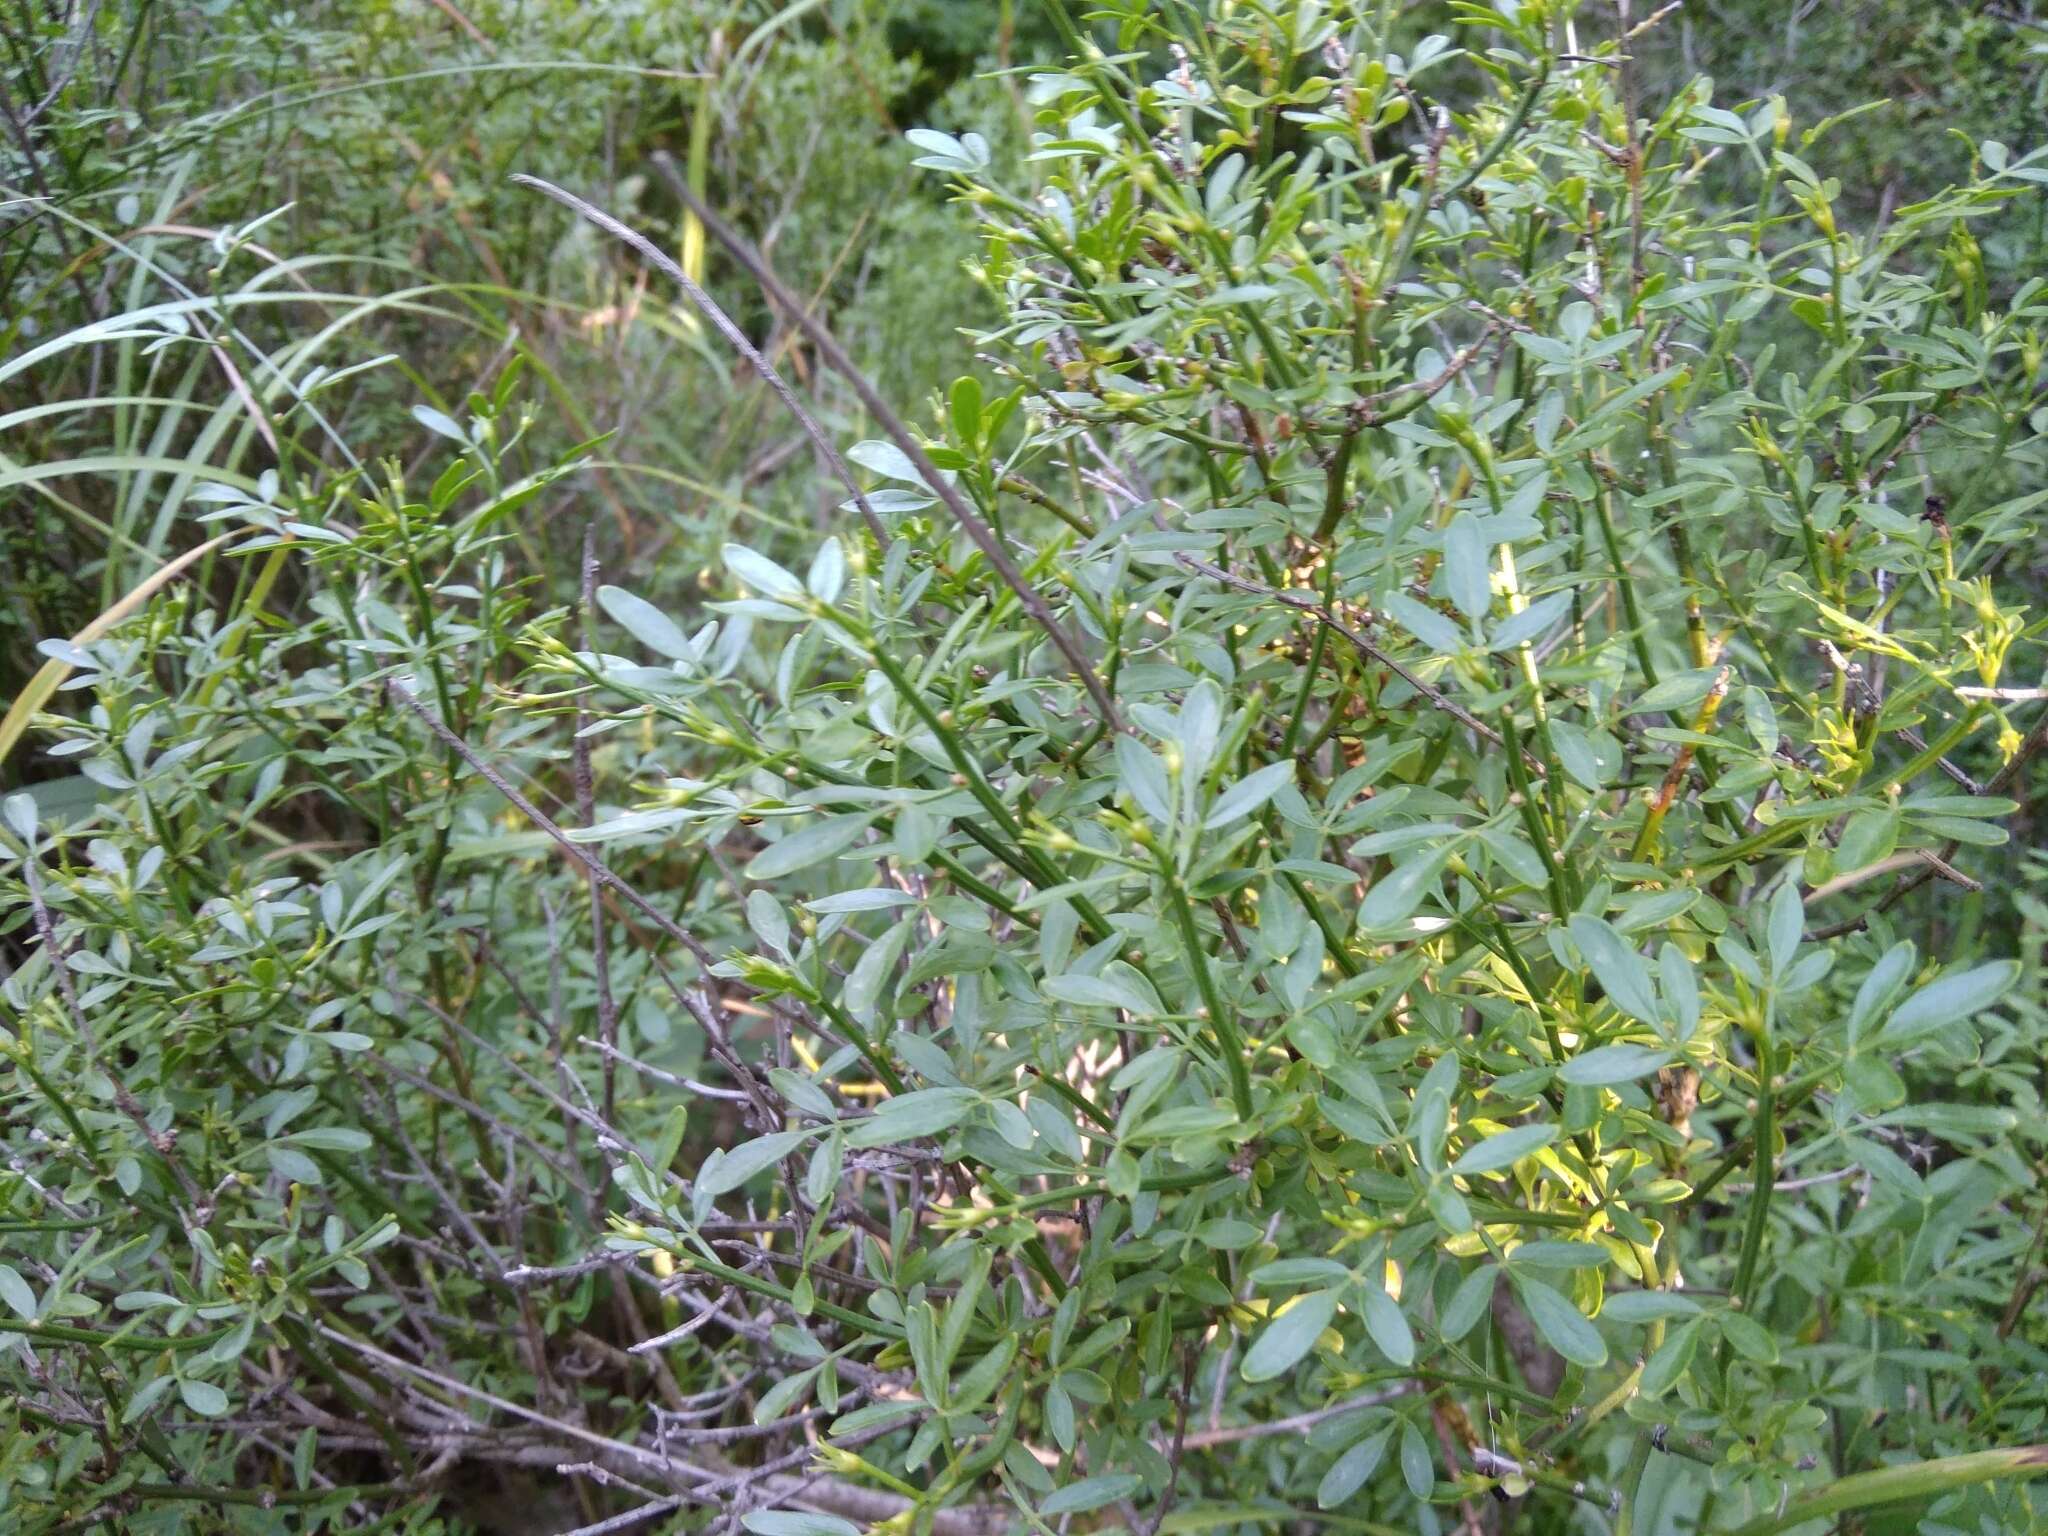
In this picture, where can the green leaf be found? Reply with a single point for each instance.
(1248, 794)
(1560, 1323)
(1618, 968)
(727, 1171)
(1613, 1064)
(827, 573)
(778, 1399)
(1226, 1234)
(1867, 837)
(1520, 628)
(1681, 988)
(763, 575)
(907, 1116)
(1290, 1336)
(1429, 1113)
(16, 1293)
(885, 458)
(331, 1138)
(1948, 1001)
(1142, 776)
(769, 922)
(1467, 557)
(807, 846)
(1348, 1472)
(1576, 755)
(1386, 1326)
(1671, 1360)
(644, 622)
(1880, 987)
(1096, 992)
(964, 404)
(1504, 1149)
(1060, 1417)
(295, 1166)
(870, 973)
(776, 1522)
(1786, 927)
(1417, 1470)
(1647, 1306)
(20, 814)
(1749, 1337)
(867, 899)
(1675, 692)
(1090, 1493)
(441, 424)
(1395, 895)
(1299, 1271)
(203, 1398)
(1468, 1303)
(1425, 624)
(1549, 1254)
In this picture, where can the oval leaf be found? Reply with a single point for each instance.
(1560, 1323)
(1290, 1336)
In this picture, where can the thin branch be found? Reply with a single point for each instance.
(1437, 698)
(600, 872)
(612, 1053)
(970, 521)
(1911, 858)
(725, 326)
(1236, 1434)
(2035, 740)
(586, 811)
(1190, 1358)
(163, 1142)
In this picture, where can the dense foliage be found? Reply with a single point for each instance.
(1373, 886)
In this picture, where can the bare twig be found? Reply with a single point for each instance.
(586, 810)
(1789, 1186)
(1234, 1434)
(613, 1053)
(1190, 1358)
(1910, 859)
(725, 326)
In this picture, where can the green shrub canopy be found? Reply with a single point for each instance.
(1352, 896)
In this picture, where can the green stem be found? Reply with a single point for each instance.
(1889, 1485)
(1219, 1019)
(1306, 692)
(879, 1327)
(1765, 1162)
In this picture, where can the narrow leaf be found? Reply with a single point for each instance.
(644, 622)
(1504, 1149)
(1248, 794)
(1948, 1000)
(742, 1162)
(807, 846)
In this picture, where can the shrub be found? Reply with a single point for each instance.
(1352, 895)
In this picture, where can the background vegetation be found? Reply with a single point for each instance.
(580, 955)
